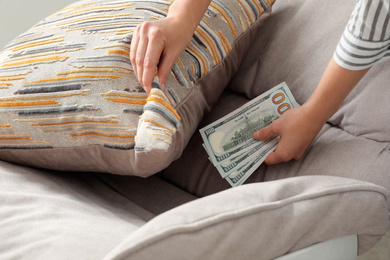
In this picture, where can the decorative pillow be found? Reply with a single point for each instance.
(69, 99)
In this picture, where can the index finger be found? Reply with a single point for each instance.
(152, 57)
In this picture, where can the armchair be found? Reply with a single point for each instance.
(334, 203)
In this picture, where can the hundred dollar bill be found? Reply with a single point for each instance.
(232, 134)
(242, 173)
(229, 166)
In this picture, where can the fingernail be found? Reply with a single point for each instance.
(146, 89)
(162, 87)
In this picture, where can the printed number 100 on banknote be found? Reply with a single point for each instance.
(231, 135)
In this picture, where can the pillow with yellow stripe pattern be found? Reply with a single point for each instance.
(69, 99)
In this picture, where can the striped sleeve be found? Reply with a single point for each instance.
(366, 38)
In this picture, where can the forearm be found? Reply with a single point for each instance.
(189, 12)
(334, 86)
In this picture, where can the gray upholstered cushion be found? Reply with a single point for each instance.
(51, 215)
(262, 221)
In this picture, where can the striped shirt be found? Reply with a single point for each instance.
(366, 38)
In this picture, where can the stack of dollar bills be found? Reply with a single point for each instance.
(229, 142)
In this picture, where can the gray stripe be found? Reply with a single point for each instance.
(385, 27)
(179, 76)
(134, 110)
(30, 40)
(49, 89)
(101, 22)
(25, 147)
(113, 27)
(363, 57)
(156, 109)
(367, 9)
(83, 128)
(357, 64)
(254, 8)
(54, 110)
(124, 147)
(152, 10)
(46, 49)
(356, 17)
(375, 21)
(360, 47)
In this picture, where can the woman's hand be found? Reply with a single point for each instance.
(297, 130)
(299, 127)
(155, 47)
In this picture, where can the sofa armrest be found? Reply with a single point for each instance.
(263, 221)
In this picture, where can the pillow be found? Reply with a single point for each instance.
(69, 99)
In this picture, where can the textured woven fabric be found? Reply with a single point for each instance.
(68, 82)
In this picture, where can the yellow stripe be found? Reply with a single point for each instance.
(27, 38)
(144, 97)
(86, 70)
(126, 101)
(24, 143)
(166, 136)
(9, 78)
(73, 77)
(201, 58)
(258, 6)
(93, 17)
(99, 8)
(245, 23)
(222, 12)
(99, 25)
(180, 63)
(210, 42)
(125, 31)
(164, 103)
(5, 126)
(162, 96)
(3, 138)
(127, 142)
(43, 54)
(246, 11)
(158, 124)
(225, 43)
(118, 51)
(30, 103)
(117, 45)
(37, 43)
(53, 58)
(102, 134)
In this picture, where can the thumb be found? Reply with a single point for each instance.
(265, 133)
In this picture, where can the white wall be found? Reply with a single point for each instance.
(17, 16)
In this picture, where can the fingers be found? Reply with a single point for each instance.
(150, 62)
(286, 150)
(266, 133)
(146, 48)
(133, 50)
(139, 49)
